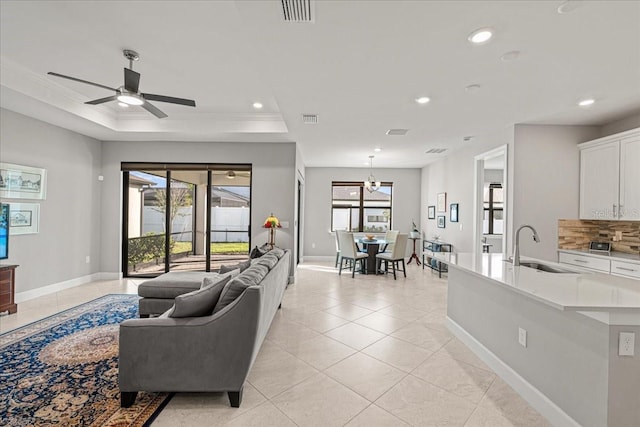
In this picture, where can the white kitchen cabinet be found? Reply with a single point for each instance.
(610, 177)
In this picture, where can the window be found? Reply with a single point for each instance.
(493, 221)
(353, 208)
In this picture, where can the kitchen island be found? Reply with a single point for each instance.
(567, 365)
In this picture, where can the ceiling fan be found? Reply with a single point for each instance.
(128, 93)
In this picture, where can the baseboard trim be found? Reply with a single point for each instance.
(531, 394)
(308, 258)
(60, 286)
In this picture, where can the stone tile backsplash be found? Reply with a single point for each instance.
(577, 233)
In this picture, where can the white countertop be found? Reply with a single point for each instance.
(582, 291)
(620, 256)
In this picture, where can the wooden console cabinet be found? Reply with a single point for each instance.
(8, 288)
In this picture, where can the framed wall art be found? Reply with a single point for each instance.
(22, 182)
(24, 218)
(431, 212)
(441, 219)
(442, 202)
(453, 212)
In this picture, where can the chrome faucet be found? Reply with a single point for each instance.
(516, 249)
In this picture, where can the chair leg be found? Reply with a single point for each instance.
(127, 398)
(337, 258)
(353, 270)
(393, 265)
(340, 269)
(235, 397)
(404, 268)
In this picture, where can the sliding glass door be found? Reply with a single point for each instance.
(184, 217)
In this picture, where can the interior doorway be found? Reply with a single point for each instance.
(490, 202)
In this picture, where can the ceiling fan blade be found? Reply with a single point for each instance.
(172, 100)
(102, 100)
(154, 110)
(131, 80)
(81, 81)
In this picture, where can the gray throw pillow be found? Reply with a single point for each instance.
(201, 302)
(269, 260)
(242, 266)
(277, 252)
(236, 287)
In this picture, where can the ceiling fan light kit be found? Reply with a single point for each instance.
(129, 93)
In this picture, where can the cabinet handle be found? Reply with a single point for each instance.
(620, 214)
(581, 260)
(625, 269)
(615, 215)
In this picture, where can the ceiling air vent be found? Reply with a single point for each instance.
(436, 151)
(310, 119)
(297, 10)
(397, 131)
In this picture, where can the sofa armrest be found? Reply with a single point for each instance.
(211, 353)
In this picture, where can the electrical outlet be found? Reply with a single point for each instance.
(87, 259)
(626, 344)
(522, 337)
(618, 235)
(460, 226)
(313, 245)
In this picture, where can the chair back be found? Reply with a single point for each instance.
(347, 244)
(391, 236)
(400, 247)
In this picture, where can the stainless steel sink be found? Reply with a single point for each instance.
(546, 268)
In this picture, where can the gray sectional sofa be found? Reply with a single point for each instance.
(209, 353)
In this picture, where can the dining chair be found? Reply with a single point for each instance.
(390, 236)
(349, 252)
(394, 257)
(337, 249)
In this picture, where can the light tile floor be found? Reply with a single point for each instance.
(368, 351)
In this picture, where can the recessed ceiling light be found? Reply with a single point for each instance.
(123, 105)
(569, 6)
(423, 100)
(472, 88)
(586, 102)
(481, 35)
(377, 150)
(257, 105)
(510, 56)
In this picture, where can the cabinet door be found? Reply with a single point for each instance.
(630, 178)
(599, 179)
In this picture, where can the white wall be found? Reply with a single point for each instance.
(317, 227)
(627, 123)
(71, 214)
(454, 175)
(546, 182)
(273, 178)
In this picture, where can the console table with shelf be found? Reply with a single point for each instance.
(431, 246)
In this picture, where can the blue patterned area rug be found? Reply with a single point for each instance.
(63, 370)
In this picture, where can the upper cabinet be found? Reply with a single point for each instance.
(610, 177)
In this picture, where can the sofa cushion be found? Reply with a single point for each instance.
(172, 284)
(269, 260)
(277, 252)
(201, 302)
(242, 266)
(250, 277)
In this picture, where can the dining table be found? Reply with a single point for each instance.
(372, 247)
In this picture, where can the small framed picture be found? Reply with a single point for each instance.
(441, 201)
(441, 221)
(431, 212)
(453, 212)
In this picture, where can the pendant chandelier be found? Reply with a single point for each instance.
(371, 184)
